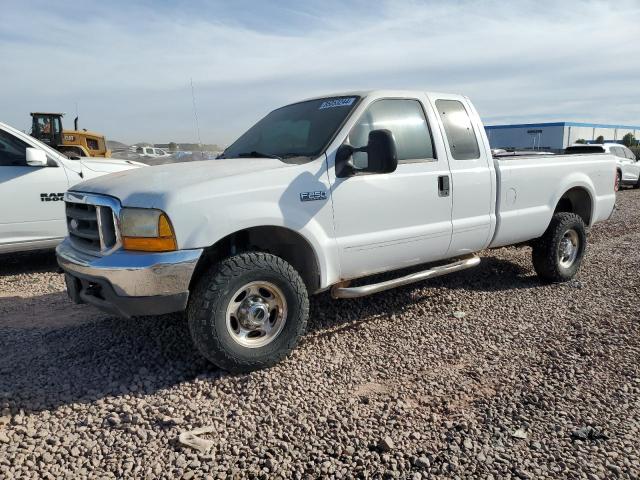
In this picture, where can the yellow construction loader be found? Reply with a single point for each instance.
(47, 127)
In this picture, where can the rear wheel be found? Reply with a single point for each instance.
(557, 255)
(249, 312)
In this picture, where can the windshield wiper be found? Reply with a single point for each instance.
(254, 154)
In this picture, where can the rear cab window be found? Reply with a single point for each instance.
(461, 137)
(584, 149)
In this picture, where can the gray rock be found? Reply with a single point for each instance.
(386, 444)
(520, 434)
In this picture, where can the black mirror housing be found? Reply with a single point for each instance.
(381, 152)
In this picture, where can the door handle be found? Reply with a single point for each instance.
(443, 186)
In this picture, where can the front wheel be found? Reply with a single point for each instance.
(558, 253)
(248, 312)
(618, 184)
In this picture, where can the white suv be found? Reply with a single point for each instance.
(151, 152)
(628, 164)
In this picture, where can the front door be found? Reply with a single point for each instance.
(31, 204)
(387, 221)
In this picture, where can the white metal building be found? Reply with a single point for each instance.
(554, 136)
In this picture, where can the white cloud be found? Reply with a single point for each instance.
(129, 67)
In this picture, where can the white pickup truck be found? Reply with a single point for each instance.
(33, 179)
(314, 196)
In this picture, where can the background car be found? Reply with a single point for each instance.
(628, 164)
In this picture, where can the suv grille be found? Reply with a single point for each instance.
(91, 227)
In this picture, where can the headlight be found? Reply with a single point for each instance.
(146, 230)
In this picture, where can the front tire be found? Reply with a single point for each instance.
(557, 255)
(248, 312)
(618, 184)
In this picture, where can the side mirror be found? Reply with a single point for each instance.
(381, 153)
(36, 157)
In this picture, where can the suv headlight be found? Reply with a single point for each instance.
(146, 230)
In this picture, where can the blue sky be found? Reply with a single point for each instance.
(128, 64)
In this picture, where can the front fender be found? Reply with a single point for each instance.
(210, 217)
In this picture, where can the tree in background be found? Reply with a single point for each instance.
(629, 140)
(581, 140)
(600, 139)
(173, 146)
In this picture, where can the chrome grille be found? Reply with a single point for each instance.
(91, 222)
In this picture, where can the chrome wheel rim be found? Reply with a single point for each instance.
(568, 248)
(256, 314)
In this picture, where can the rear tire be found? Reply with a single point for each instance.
(618, 183)
(248, 312)
(557, 255)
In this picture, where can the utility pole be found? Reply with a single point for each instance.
(195, 114)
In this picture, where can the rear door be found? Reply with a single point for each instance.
(392, 220)
(635, 163)
(630, 167)
(31, 204)
(472, 175)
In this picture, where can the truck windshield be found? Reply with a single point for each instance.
(297, 132)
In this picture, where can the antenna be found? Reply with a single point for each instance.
(195, 114)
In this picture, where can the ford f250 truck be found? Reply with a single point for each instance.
(33, 180)
(314, 196)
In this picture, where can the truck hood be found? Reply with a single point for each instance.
(148, 186)
(108, 165)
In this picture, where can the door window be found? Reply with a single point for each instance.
(92, 143)
(629, 154)
(406, 121)
(13, 151)
(618, 152)
(457, 125)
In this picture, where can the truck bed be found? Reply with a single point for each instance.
(530, 186)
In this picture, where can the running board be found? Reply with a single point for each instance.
(342, 291)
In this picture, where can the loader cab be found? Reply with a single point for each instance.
(47, 127)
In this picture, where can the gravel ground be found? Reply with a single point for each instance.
(486, 373)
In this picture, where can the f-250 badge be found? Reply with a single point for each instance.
(311, 196)
(51, 197)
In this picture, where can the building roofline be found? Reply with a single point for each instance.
(562, 124)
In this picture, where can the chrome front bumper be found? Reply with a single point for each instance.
(129, 283)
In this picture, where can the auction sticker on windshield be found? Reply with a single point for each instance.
(337, 102)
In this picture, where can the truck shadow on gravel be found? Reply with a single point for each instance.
(44, 368)
(85, 359)
(28, 262)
